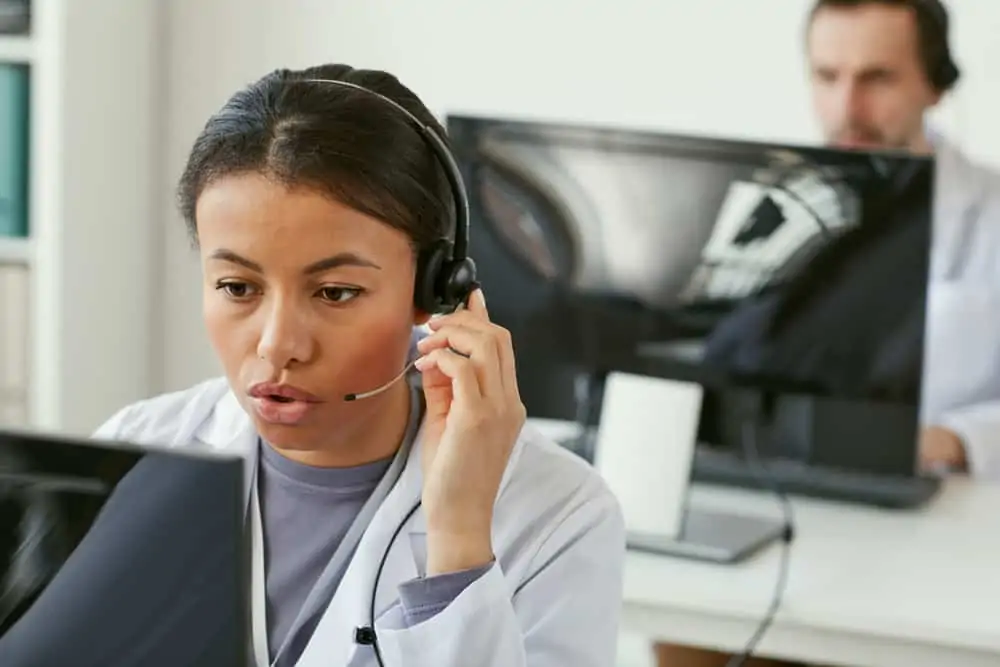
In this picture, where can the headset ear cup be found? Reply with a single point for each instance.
(430, 264)
(948, 74)
(461, 281)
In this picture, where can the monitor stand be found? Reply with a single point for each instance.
(712, 536)
(645, 444)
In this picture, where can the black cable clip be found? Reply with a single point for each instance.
(364, 636)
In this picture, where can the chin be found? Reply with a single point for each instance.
(294, 438)
(286, 437)
(287, 427)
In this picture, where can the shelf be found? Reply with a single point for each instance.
(16, 49)
(15, 250)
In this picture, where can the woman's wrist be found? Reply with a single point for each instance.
(455, 551)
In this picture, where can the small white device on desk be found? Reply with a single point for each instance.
(645, 445)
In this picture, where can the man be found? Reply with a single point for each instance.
(877, 67)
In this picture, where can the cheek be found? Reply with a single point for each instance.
(897, 107)
(825, 107)
(367, 357)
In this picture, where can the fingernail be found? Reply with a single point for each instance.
(420, 363)
(481, 297)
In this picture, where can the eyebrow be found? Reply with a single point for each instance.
(326, 264)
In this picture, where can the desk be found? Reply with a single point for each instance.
(867, 587)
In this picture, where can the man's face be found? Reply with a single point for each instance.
(869, 87)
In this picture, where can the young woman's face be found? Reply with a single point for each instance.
(304, 292)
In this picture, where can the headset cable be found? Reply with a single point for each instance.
(765, 478)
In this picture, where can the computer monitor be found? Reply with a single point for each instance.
(112, 554)
(789, 281)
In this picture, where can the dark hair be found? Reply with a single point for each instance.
(932, 35)
(346, 143)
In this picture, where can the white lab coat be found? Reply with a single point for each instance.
(552, 599)
(962, 350)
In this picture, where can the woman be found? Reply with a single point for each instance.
(426, 507)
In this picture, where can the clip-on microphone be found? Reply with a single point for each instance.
(379, 390)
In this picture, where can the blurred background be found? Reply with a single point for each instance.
(101, 99)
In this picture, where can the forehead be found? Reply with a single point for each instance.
(865, 37)
(253, 214)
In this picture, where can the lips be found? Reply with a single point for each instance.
(282, 403)
(282, 392)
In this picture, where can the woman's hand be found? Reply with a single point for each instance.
(474, 417)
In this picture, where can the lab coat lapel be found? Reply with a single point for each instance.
(228, 428)
(958, 194)
(332, 642)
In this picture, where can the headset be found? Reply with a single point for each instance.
(445, 278)
(446, 275)
(942, 71)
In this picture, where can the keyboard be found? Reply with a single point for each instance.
(794, 478)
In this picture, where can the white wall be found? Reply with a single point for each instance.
(728, 67)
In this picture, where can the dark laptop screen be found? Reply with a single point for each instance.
(114, 555)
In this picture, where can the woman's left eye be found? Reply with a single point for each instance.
(339, 294)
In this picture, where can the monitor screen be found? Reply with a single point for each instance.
(783, 270)
(114, 555)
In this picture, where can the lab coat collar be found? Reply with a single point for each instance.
(332, 642)
(961, 187)
(227, 427)
(957, 176)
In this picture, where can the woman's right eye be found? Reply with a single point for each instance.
(235, 289)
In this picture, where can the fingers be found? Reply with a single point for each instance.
(476, 318)
(476, 311)
(477, 305)
(461, 371)
(478, 346)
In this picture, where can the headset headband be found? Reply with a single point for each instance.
(460, 237)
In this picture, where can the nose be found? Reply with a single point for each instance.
(850, 103)
(285, 339)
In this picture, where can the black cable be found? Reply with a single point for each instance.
(765, 478)
(368, 635)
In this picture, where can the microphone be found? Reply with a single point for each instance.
(379, 390)
(402, 374)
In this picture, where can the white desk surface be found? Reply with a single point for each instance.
(866, 588)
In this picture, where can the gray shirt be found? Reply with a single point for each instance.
(305, 513)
